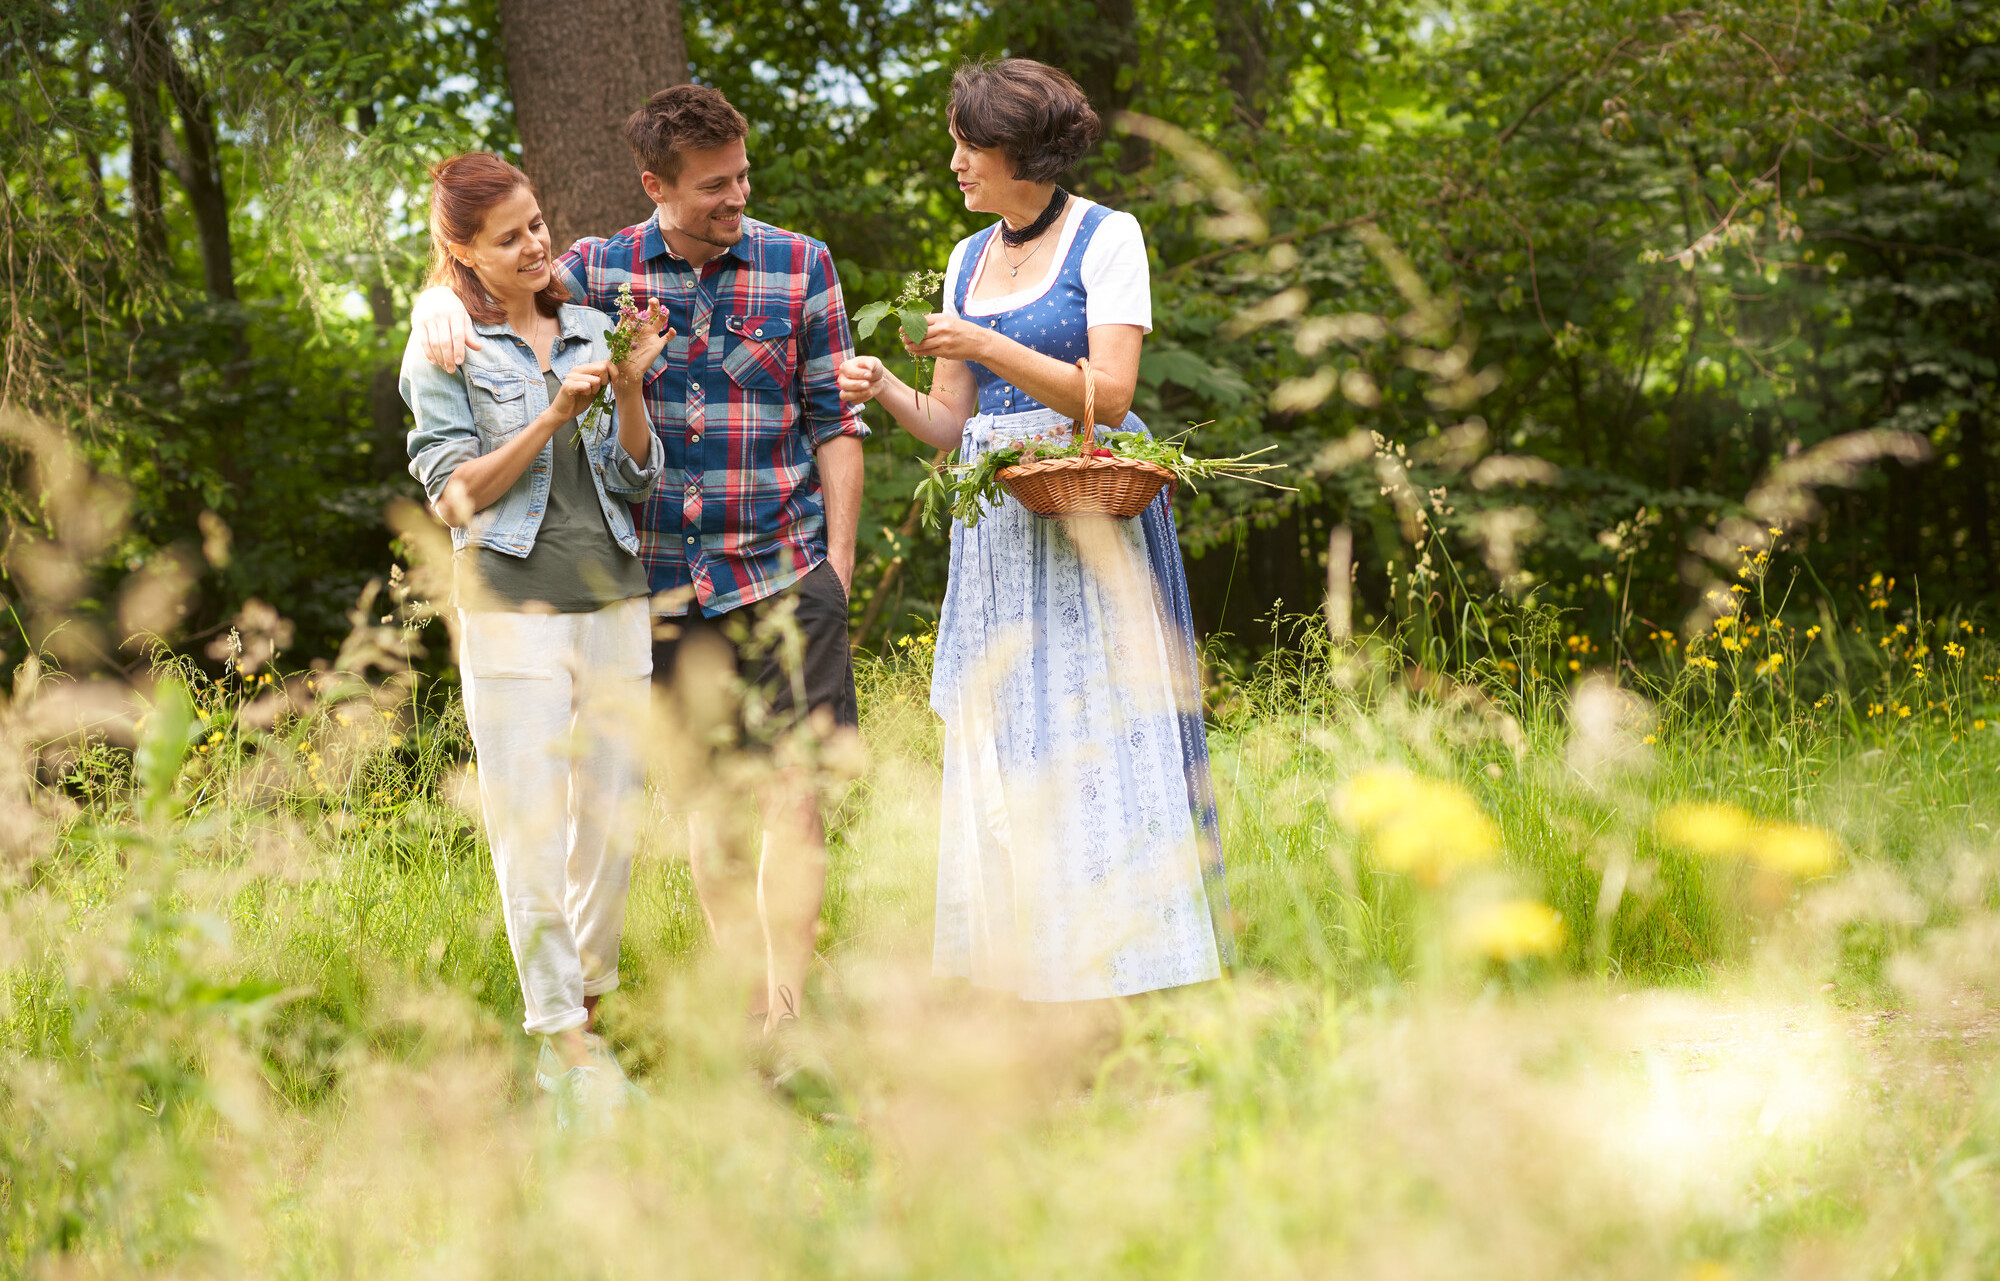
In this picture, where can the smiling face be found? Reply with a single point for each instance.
(985, 176)
(511, 255)
(704, 204)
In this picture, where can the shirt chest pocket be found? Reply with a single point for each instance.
(758, 352)
(499, 402)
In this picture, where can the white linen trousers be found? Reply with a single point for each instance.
(557, 705)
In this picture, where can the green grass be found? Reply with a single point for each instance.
(258, 1018)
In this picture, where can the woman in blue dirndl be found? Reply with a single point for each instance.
(1079, 855)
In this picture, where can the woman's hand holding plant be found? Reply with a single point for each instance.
(579, 388)
(949, 338)
(650, 336)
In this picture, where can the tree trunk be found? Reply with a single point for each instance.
(578, 71)
(199, 164)
(1978, 500)
(1240, 34)
(143, 74)
(1093, 40)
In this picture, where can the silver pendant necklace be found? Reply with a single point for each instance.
(1014, 268)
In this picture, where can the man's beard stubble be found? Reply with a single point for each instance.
(709, 237)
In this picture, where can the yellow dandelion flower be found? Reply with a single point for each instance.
(1812, 633)
(1979, 724)
(1710, 829)
(1724, 622)
(1650, 739)
(1954, 651)
(1371, 797)
(1903, 712)
(1511, 931)
(1965, 625)
(1575, 666)
(1421, 826)
(1719, 830)
(1770, 665)
(1792, 849)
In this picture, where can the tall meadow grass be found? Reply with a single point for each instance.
(1643, 955)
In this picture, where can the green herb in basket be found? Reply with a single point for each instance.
(964, 491)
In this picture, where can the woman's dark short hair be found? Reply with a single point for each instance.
(1030, 110)
(678, 120)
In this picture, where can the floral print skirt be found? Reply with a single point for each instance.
(1077, 856)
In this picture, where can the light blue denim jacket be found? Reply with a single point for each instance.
(498, 391)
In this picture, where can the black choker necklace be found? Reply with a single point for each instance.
(1057, 200)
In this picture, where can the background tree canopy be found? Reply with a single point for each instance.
(1586, 272)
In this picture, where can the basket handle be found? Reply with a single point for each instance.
(1089, 423)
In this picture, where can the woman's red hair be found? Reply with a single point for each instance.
(464, 190)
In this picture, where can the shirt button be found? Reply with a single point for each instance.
(758, 334)
(690, 540)
(695, 439)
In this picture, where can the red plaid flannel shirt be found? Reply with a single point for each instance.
(740, 399)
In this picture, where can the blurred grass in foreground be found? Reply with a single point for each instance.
(1536, 981)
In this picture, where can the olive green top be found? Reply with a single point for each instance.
(575, 566)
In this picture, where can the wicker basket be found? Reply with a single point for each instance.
(1086, 486)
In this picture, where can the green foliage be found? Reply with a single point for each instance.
(1675, 247)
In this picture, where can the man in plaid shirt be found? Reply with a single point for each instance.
(760, 496)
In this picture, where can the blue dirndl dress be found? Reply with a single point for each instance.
(1079, 855)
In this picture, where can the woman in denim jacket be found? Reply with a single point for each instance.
(555, 642)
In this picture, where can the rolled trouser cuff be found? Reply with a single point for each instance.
(567, 1021)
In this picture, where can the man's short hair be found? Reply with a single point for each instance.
(1030, 110)
(679, 120)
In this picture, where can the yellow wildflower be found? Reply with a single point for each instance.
(1511, 931)
(1812, 633)
(1418, 825)
(1717, 830)
(1713, 830)
(1792, 849)
(1372, 797)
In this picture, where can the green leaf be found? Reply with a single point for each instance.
(867, 318)
(915, 326)
(1179, 365)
